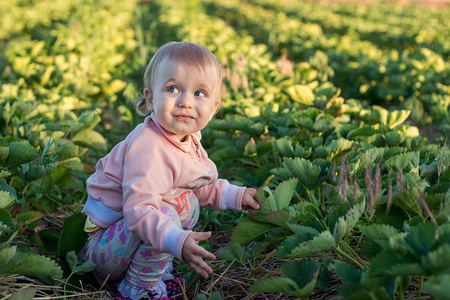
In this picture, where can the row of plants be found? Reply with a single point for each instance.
(405, 26)
(348, 190)
(352, 182)
(415, 78)
(63, 70)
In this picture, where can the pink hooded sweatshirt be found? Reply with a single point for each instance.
(150, 168)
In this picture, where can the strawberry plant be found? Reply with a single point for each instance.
(338, 114)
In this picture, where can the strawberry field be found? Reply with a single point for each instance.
(338, 113)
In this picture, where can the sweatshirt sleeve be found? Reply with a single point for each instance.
(221, 195)
(148, 175)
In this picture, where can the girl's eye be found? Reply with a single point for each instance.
(199, 94)
(173, 89)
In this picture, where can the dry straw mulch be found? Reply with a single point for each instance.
(231, 284)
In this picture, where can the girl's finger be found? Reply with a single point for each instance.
(254, 204)
(205, 254)
(201, 236)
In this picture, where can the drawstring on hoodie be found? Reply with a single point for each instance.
(198, 151)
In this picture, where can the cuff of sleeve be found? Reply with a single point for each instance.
(173, 240)
(231, 197)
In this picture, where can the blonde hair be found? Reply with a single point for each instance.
(182, 52)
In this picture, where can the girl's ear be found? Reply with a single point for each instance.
(215, 109)
(148, 99)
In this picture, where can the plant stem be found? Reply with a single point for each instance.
(357, 257)
(255, 164)
(298, 196)
(359, 241)
(419, 294)
(400, 290)
(66, 282)
(312, 196)
(345, 254)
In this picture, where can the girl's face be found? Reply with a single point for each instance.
(183, 98)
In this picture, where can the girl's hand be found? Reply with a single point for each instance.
(193, 254)
(248, 200)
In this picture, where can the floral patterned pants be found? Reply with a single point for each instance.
(120, 254)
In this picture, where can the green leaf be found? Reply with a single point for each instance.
(301, 94)
(300, 282)
(297, 246)
(340, 147)
(407, 202)
(437, 261)
(367, 158)
(37, 170)
(6, 199)
(273, 201)
(6, 219)
(72, 260)
(84, 268)
(422, 238)
(400, 161)
(73, 236)
(4, 173)
(305, 171)
(70, 150)
(4, 153)
(438, 285)
(361, 132)
(30, 217)
(20, 153)
(346, 223)
(249, 230)
(297, 228)
(237, 250)
(388, 263)
(89, 119)
(24, 294)
(279, 218)
(283, 193)
(4, 228)
(13, 262)
(266, 200)
(347, 272)
(390, 119)
(380, 233)
(274, 285)
(303, 273)
(284, 147)
(91, 139)
(397, 117)
(393, 138)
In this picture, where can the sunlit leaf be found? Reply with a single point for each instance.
(91, 139)
(5, 199)
(301, 94)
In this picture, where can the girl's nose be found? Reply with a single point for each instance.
(185, 101)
